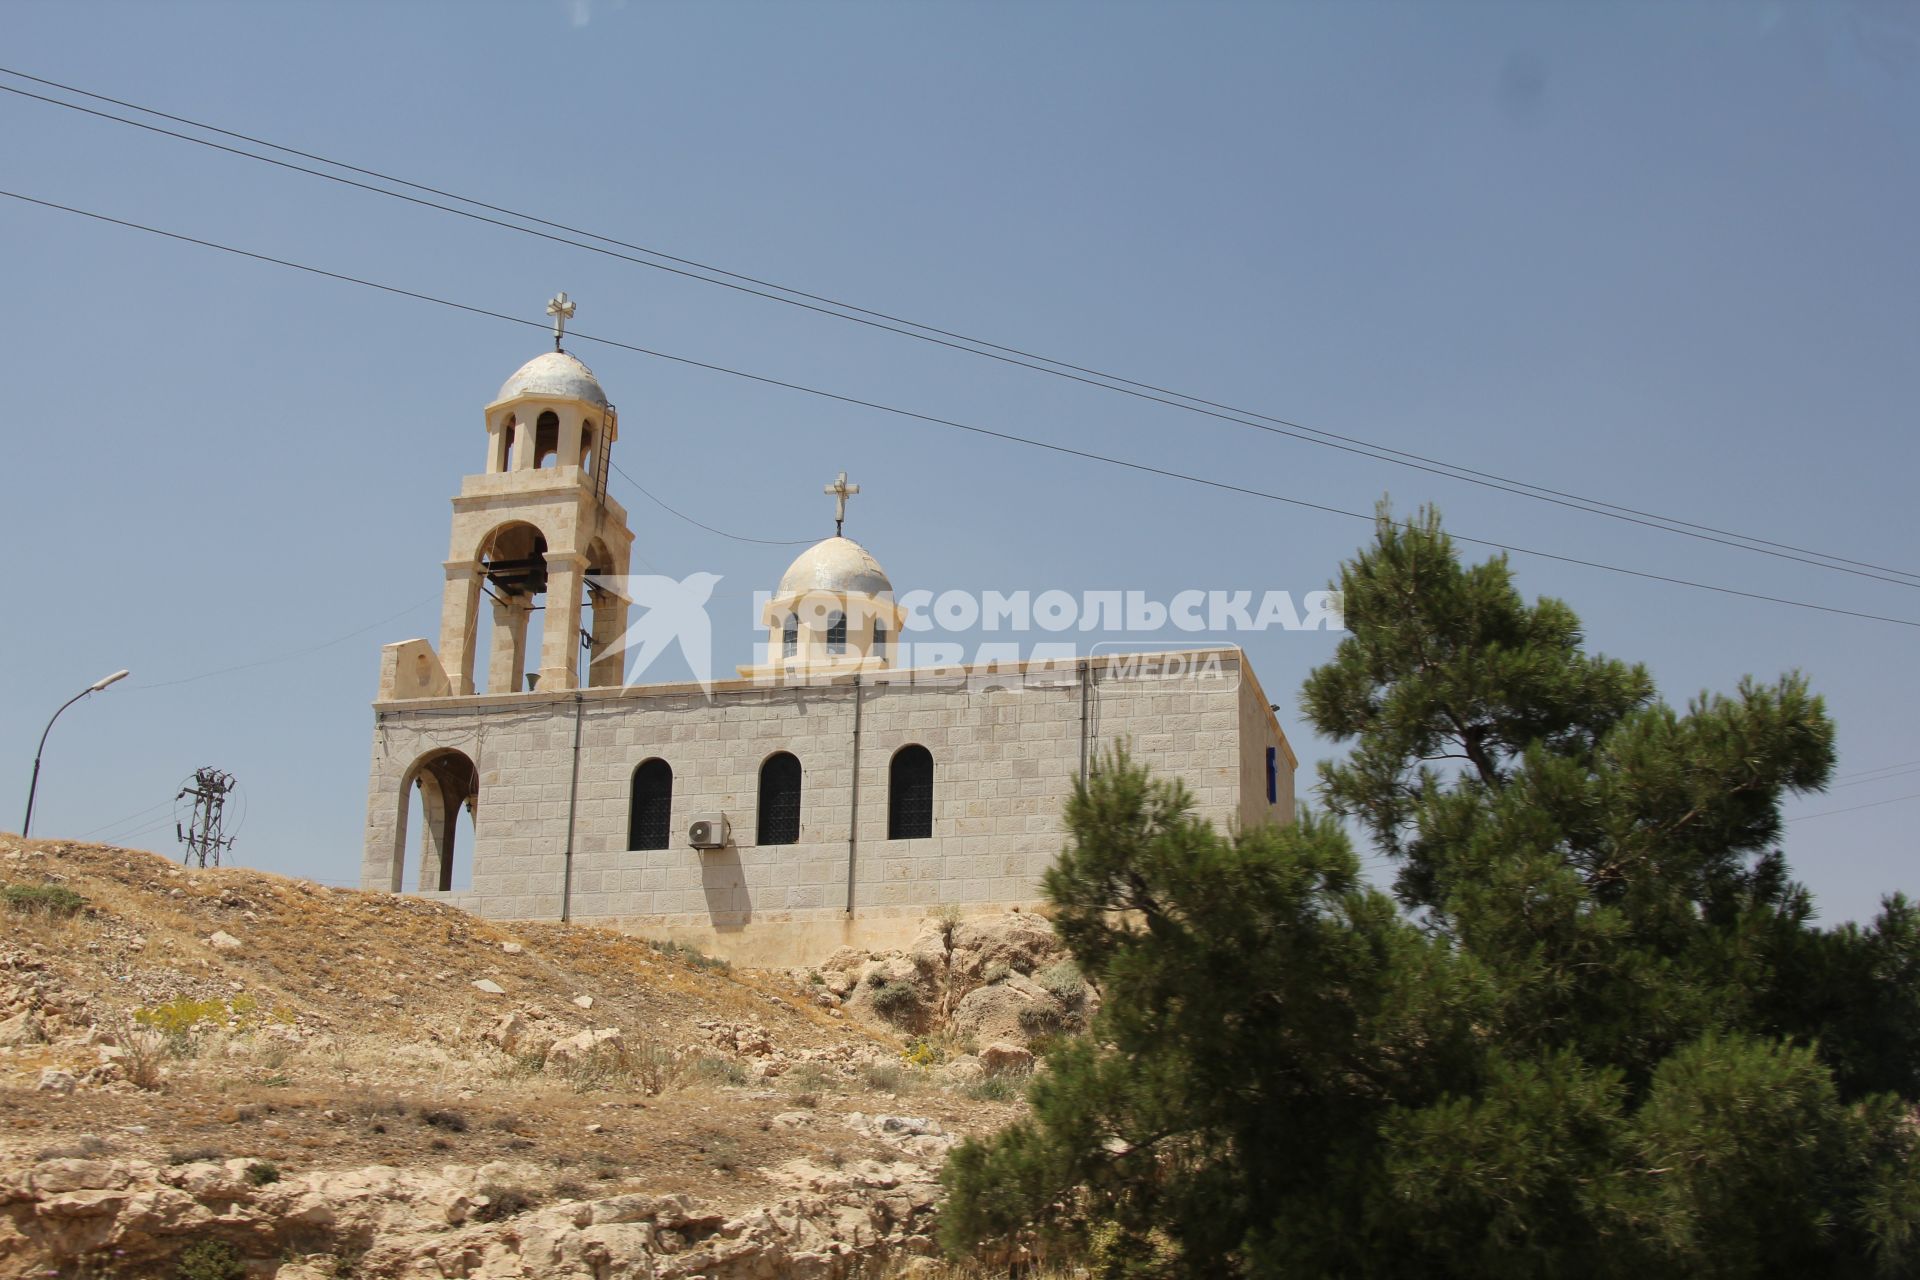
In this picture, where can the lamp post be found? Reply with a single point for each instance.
(95, 687)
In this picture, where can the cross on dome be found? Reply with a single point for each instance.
(840, 491)
(561, 309)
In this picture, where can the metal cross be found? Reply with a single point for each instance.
(841, 491)
(561, 309)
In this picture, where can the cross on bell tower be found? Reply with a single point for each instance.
(561, 308)
(840, 491)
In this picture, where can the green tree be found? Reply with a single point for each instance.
(1597, 1035)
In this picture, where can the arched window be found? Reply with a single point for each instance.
(650, 818)
(910, 794)
(780, 799)
(836, 632)
(546, 440)
(790, 636)
(503, 461)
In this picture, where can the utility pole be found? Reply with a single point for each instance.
(209, 791)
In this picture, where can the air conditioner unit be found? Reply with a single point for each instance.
(709, 831)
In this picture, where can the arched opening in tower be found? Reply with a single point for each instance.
(513, 569)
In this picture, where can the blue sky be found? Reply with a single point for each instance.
(1660, 255)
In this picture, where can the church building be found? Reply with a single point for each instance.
(823, 796)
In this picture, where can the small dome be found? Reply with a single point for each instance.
(838, 565)
(553, 375)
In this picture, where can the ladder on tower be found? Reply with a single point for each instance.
(603, 456)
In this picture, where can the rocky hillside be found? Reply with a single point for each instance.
(220, 1073)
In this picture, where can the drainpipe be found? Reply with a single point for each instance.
(573, 792)
(1086, 696)
(853, 811)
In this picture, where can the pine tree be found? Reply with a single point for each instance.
(1597, 1034)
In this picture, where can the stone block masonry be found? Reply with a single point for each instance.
(1007, 746)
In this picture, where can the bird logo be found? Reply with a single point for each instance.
(670, 612)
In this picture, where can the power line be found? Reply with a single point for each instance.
(823, 305)
(285, 657)
(1861, 773)
(117, 822)
(1828, 813)
(934, 420)
(737, 537)
(1884, 777)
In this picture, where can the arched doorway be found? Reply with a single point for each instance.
(438, 790)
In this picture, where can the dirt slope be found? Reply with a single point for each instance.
(231, 1019)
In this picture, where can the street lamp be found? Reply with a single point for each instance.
(95, 687)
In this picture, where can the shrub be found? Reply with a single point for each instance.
(141, 1049)
(195, 1155)
(54, 900)
(1063, 982)
(922, 1052)
(571, 1189)
(888, 1077)
(708, 1069)
(450, 1121)
(995, 1088)
(996, 972)
(807, 1078)
(723, 1155)
(262, 1173)
(182, 1020)
(691, 956)
(210, 1260)
(503, 1202)
(896, 1001)
(1044, 1020)
(649, 1068)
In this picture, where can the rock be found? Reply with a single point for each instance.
(507, 1031)
(489, 986)
(964, 1070)
(1000, 1058)
(585, 1002)
(54, 1080)
(221, 940)
(844, 960)
(23, 1028)
(512, 948)
(1021, 942)
(992, 1013)
(54, 1177)
(575, 1049)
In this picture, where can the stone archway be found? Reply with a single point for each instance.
(446, 782)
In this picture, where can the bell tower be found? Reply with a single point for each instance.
(532, 528)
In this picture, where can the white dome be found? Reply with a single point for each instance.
(553, 375)
(838, 565)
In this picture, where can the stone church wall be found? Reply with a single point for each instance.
(1004, 762)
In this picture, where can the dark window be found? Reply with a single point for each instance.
(650, 819)
(546, 440)
(836, 632)
(790, 636)
(879, 640)
(780, 799)
(1273, 775)
(910, 794)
